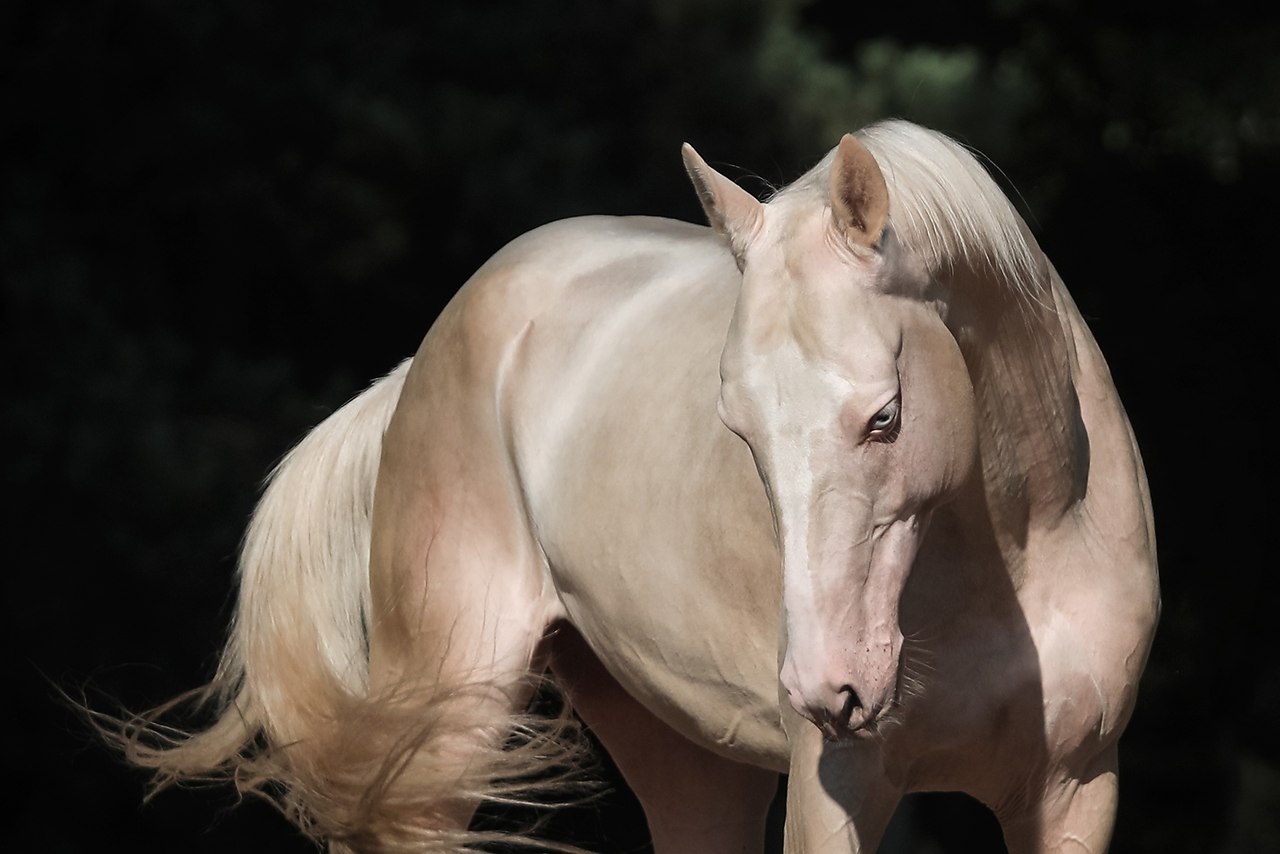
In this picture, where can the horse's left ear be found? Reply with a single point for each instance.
(859, 196)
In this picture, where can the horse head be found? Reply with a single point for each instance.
(842, 378)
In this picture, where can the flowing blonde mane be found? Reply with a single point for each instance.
(943, 205)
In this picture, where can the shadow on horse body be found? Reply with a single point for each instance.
(838, 488)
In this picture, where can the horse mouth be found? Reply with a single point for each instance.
(854, 722)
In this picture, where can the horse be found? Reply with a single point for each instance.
(839, 487)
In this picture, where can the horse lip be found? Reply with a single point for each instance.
(867, 728)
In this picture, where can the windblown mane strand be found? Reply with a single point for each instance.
(944, 206)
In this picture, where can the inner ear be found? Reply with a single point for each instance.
(859, 195)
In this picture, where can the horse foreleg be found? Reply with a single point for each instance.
(839, 799)
(1076, 813)
(695, 801)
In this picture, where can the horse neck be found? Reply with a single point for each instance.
(1032, 441)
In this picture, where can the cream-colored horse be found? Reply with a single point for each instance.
(839, 488)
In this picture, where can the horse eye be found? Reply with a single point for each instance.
(885, 421)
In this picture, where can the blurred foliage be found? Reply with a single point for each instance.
(220, 219)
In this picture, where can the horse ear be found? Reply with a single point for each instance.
(731, 210)
(859, 196)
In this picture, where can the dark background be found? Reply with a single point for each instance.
(218, 220)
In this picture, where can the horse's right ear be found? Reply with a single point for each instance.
(731, 210)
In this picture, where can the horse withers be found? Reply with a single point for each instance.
(839, 488)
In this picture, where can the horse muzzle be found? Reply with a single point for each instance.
(843, 704)
(840, 668)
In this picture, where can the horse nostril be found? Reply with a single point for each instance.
(851, 702)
